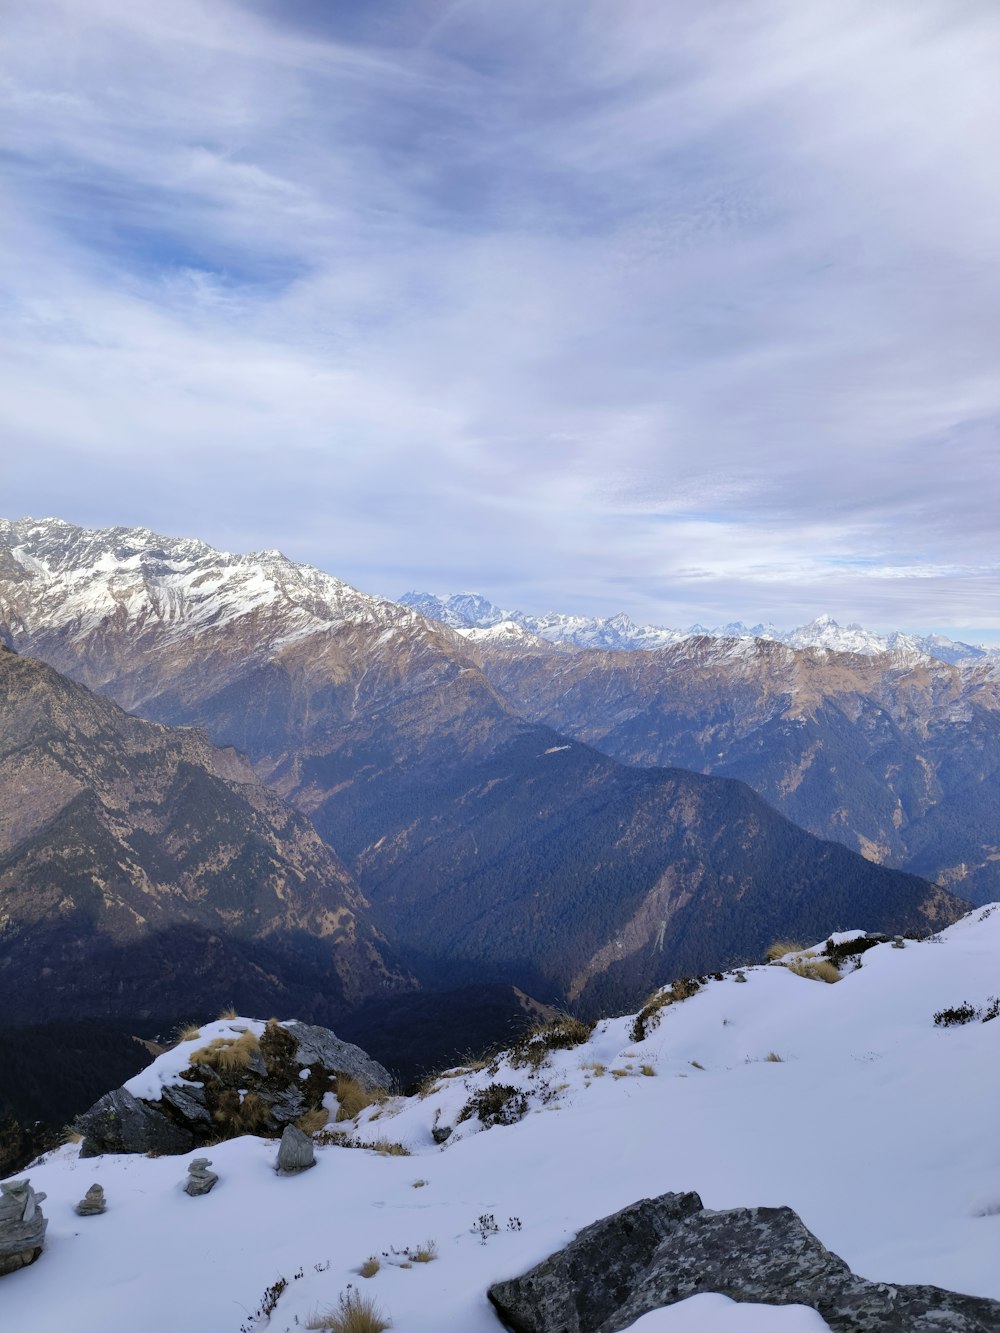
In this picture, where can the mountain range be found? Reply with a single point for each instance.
(480, 620)
(482, 844)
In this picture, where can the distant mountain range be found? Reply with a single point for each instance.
(477, 618)
(488, 847)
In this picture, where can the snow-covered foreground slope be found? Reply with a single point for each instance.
(877, 1126)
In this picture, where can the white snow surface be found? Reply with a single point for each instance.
(877, 1126)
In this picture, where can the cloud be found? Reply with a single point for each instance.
(683, 310)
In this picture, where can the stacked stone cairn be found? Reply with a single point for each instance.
(92, 1203)
(22, 1226)
(200, 1180)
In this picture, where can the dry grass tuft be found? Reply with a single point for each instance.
(313, 1121)
(780, 947)
(370, 1266)
(423, 1254)
(773, 1058)
(648, 1070)
(253, 1116)
(189, 1032)
(353, 1313)
(353, 1098)
(696, 1064)
(71, 1135)
(228, 1014)
(815, 969)
(226, 1053)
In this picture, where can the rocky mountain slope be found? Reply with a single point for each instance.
(897, 759)
(490, 848)
(856, 1104)
(143, 872)
(476, 617)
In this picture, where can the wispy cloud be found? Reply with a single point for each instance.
(689, 310)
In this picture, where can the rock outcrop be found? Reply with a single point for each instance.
(236, 1083)
(22, 1226)
(660, 1251)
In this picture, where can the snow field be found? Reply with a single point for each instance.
(876, 1126)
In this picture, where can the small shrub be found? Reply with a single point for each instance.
(992, 1009)
(353, 1313)
(370, 1266)
(485, 1226)
(419, 1184)
(496, 1104)
(649, 1015)
(956, 1016)
(696, 1064)
(840, 952)
(562, 1034)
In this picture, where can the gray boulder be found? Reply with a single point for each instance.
(200, 1180)
(22, 1226)
(660, 1251)
(295, 1152)
(120, 1122)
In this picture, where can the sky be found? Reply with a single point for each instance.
(686, 310)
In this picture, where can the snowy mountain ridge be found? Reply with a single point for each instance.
(868, 1106)
(471, 615)
(76, 578)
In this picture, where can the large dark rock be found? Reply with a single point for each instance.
(119, 1122)
(660, 1251)
(236, 1084)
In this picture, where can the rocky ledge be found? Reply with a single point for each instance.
(237, 1083)
(660, 1251)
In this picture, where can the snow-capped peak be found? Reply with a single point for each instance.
(76, 579)
(470, 613)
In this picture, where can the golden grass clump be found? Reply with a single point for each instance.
(647, 1070)
(226, 1053)
(353, 1313)
(815, 969)
(253, 1115)
(188, 1033)
(389, 1149)
(313, 1121)
(423, 1254)
(370, 1266)
(353, 1098)
(228, 1014)
(773, 1058)
(780, 947)
(596, 1068)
